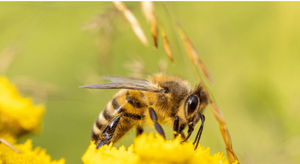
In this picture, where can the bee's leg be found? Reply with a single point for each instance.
(176, 127)
(190, 131)
(182, 126)
(101, 143)
(182, 135)
(197, 139)
(157, 126)
(139, 130)
(133, 116)
(108, 132)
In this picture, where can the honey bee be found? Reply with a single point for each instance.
(162, 99)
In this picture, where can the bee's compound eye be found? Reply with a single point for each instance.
(192, 103)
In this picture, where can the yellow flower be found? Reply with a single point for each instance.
(27, 155)
(150, 149)
(109, 154)
(18, 115)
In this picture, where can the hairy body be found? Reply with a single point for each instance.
(162, 99)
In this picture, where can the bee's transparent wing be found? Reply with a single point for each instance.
(125, 79)
(123, 83)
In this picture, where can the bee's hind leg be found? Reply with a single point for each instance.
(108, 132)
(110, 129)
(157, 126)
(101, 143)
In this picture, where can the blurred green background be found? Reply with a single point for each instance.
(252, 50)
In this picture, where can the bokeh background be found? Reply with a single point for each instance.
(252, 49)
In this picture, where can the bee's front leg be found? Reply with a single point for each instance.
(176, 127)
(157, 126)
(190, 131)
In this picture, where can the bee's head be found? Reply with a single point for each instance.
(195, 104)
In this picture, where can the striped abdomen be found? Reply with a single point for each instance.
(130, 104)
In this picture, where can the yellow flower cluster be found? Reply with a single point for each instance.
(27, 155)
(148, 149)
(18, 117)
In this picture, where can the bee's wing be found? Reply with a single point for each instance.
(124, 83)
(125, 79)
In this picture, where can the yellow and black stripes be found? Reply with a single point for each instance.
(99, 126)
(119, 116)
(115, 104)
(136, 103)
